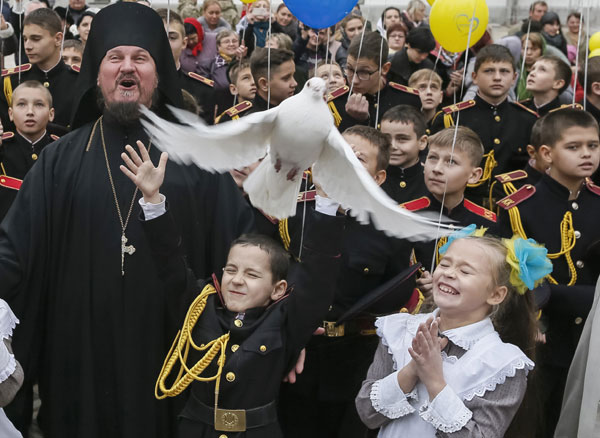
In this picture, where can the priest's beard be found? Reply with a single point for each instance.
(124, 113)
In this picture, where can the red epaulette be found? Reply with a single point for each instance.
(202, 79)
(18, 69)
(568, 105)
(54, 137)
(592, 187)
(520, 105)
(417, 204)
(404, 88)
(515, 175)
(8, 134)
(75, 68)
(10, 182)
(517, 197)
(479, 210)
(239, 108)
(337, 93)
(458, 106)
(309, 196)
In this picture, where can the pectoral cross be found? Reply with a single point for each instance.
(125, 249)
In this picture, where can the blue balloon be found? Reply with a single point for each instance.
(320, 13)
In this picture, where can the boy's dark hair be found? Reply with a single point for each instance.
(467, 141)
(62, 13)
(494, 53)
(593, 73)
(259, 61)
(371, 48)
(407, 114)
(280, 261)
(558, 121)
(378, 139)
(234, 68)
(421, 38)
(535, 27)
(536, 133)
(38, 86)
(45, 18)
(562, 70)
(73, 44)
(174, 17)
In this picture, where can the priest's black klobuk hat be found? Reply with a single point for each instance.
(387, 298)
(125, 24)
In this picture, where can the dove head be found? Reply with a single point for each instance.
(316, 86)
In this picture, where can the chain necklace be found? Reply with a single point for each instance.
(125, 249)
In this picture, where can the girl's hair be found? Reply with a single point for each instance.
(514, 318)
(284, 41)
(414, 5)
(389, 8)
(341, 29)
(535, 40)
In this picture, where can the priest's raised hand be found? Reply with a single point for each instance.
(142, 172)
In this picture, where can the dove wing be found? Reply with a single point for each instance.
(217, 148)
(345, 180)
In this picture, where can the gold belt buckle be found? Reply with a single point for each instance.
(230, 420)
(333, 331)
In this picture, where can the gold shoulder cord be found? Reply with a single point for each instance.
(509, 189)
(284, 233)
(488, 168)
(180, 349)
(8, 90)
(567, 240)
(334, 112)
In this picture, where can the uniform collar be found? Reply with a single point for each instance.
(407, 172)
(481, 102)
(556, 188)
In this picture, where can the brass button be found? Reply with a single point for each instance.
(230, 376)
(223, 436)
(366, 270)
(235, 347)
(46, 84)
(238, 323)
(497, 118)
(496, 141)
(577, 234)
(428, 131)
(402, 184)
(263, 348)
(575, 206)
(379, 126)
(375, 105)
(579, 264)
(34, 157)
(519, 150)
(2, 180)
(578, 320)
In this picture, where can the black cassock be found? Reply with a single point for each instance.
(96, 340)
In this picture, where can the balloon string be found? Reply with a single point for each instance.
(577, 54)
(587, 58)
(379, 90)
(269, 57)
(62, 44)
(439, 225)
(524, 57)
(362, 37)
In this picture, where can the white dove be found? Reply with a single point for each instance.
(297, 134)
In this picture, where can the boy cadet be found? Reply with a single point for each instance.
(548, 78)
(253, 327)
(321, 402)
(42, 37)
(419, 42)
(429, 85)
(447, 175)
(72, 52)
(31, 111)
(332, 74)
(504, 127)
(198, 86)
(371, 97)
(242, 89)
(280, 86)
(406, 128)
(560, 212)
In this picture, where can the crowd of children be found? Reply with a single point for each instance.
(481, 327)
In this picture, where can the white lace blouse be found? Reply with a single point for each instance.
(486, 381)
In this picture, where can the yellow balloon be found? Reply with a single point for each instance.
(595, 41)
(431, 2)
(451, 20)
(247, 1)
(595, 53)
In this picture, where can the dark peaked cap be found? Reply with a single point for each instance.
(125, 24)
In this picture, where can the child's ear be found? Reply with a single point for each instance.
(385, 68)
(58, 39)
(233, 89)
(279, 290)
(422, 142)
(558, 84)
(51, 115)
(185, 41)
(545, 152)
(531, 151)
(497, 296)
(596, 88)
(10, 111)
(380, 177)
(475, 175)
(263, 84)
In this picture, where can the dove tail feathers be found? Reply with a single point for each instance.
(271, 191)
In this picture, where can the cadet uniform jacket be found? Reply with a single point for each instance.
(542, 209)
(544, 109)
(59, 80)
(202, 90)
(403, 185)
(243, 109)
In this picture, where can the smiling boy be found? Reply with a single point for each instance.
(31, 111)
(561, 212)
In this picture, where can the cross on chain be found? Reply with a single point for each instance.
(125, 249)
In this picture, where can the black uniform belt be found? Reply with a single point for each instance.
(364, 326)
(197, 411)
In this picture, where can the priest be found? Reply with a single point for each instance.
(96, 322)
